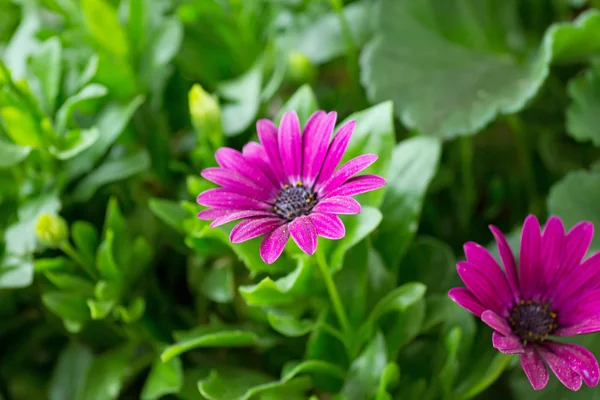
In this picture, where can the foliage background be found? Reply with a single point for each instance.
(481, 111)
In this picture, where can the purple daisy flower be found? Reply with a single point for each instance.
(288, 184)
(551, 293)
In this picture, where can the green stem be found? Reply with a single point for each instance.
(70, 251)
(333, 292)
(352, 57)
(517, 128)
(467, 200)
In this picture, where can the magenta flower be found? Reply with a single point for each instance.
(551, 293)
(288, 184)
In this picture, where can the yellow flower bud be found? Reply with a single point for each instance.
(52, 230)
(300, 68)
(206, 115)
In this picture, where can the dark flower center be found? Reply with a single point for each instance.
(294, 201)
(532, 322)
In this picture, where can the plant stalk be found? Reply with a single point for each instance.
(333, 293)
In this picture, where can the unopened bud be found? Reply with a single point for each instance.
(300, 68)
(206, 115)
(51, 230)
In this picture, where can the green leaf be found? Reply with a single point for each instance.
(105, 376)
(167, 39)
(450, 369)
(12, 154)
(485, 377)
(105, 260)
(170, 212)
(366, 370)
(74, 142)
(21, 127)
(374, 134)
(571, 40)
(103, 27)
(46, 65)
(111, 171)
(90, 92)
(16, 271)
(292, 369)
(582, 115)
(282, 291)
(303, 101)
(431, 262)
(406, 326)
(164, 378)
(218, 284)
(23, 42)
(53, 264)
(389, 378)
(133, 312)
(99, 309)
(68, 306)
(71, 368)
(244, 95)
(71, 283)
(399, 299)
(288, 325)
(414, 163)
(85, 237)
(575, 198)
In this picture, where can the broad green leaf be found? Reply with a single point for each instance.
(16, 271)
(582, 115)
(105, 375)
(406, 326)
(164, 378)
(105, 260)
(450, 370)
(374, 134)
(23, 42)
(59, 264)
(303, 101)
(85, 237)
(12, 154)
(414, 163)
(137, 23)
(71, 368)
(575, 198)
(166, 42)
(399, 299)
(103, 27)
(431, 262)
(292, 369)
(90, 92)
(240, 384)
(365, 372)
(170, 212)
(288, 325)
(74, 142)
(571, 40)
(46, 65)
(389, 378)
(68, 306)
(281, 291)
(218, 283)
(71, 283)
(244, 94)
(21, 127)
(112, 170)
(352, 282)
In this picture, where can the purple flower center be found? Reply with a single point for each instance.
(532, 321)
(294, 201)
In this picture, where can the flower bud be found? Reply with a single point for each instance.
(300, 68)
(206, 115)
(51, 230)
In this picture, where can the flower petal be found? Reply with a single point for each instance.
(553, 240)
(480, 257)
(234, 160)
(255, 154)
(508, 259)
(464, 298)
(304, 234)
(587, 326)
(338, 205)
(335, 152)
(529, 258)
(213, 213)
(224, 198)
(290, 145)
(579, 359)
(234, 215)
(254, 227)
(586, 277)
(315, 140)
(328, 225)
(496, 322)
(580, 307)
(563, 372)
(510, 344)
(273, 244)
(534, 368)
(358, 185)
(482, 287)
(267, 134)
(235, 182)
(346, 171)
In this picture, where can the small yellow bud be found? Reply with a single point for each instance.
(206, 115)
(51, 230)
(300, 68)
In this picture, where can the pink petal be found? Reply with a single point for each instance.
(510, 344)
(267, 134)
(479, 256)
(213, 213)
(508, 259)
(358, 185)
(224, 198)
(290, 145)
(328, 225)
(553, 239)
(234, 215)
(304, 234)
(588, 326)
(579, 359)
(315, 140)
(335, 152)
(563, 372)
(346, 171)
(481, 286)
(273, 244)
(234, 160)
(496, 322)
(254, 227)
(529, 258)
(581, 307)
(586, 276)
(255, 154)
(534, 368)
(464, 298)
(235, 182)
(338, 205)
